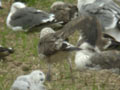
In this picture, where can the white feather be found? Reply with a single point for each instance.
(32, 81)
(82, 58)
(50, 19)
(15, 6)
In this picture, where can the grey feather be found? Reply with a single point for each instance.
(86, 26)
(104, 10)
(28, 17)
(106, 60)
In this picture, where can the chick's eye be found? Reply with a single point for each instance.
(40, 73)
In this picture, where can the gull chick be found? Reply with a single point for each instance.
(53, 48)
(64, 12)
(32, 81)
(92, 55)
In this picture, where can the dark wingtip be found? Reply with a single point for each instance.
(115, 45)
(108, 36)
(118, 24)
(11, 50)
(1, 7)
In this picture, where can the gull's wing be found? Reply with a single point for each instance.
(2, 49)
(47, 45)
(52, 43)
(99, 5)
(115, 8)
(93, 7)
(106, 60)
(29, 17)
(88, 27)
(106, 10)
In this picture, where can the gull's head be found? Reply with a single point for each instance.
(17, 5)
(57, 3)
(46, 31)
(37, 76)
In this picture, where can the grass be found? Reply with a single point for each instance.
(25, 59)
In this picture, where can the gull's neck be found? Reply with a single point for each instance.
(13, 10)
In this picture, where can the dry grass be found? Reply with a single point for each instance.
(25, 59)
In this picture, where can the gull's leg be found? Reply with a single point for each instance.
(1, 7)
(70, 65)
(48, 76)
(11, 1)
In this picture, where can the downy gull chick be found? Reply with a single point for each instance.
(91, 56)
(64, 12)
(32, 81)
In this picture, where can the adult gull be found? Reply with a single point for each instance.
(24, 18)
(107, 12)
